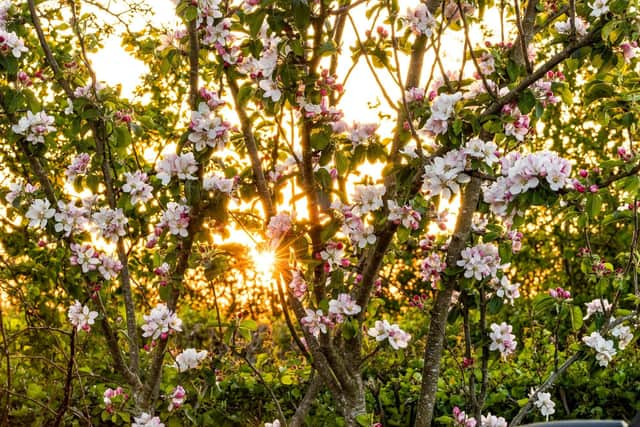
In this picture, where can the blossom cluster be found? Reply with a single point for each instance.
(182, 166)
(110, 223)
(34, 126)
(279, 225)
(604, 348)
(353, 226)
(160, 323)
(368, 198)
(480, 261)
(523, 173)
(516, 124)
(89, 259)
(189, 359)
(442, 110)
(505, 289)
(502, 339)
(78, 166)
(176, 218)
(431, 267)
(420, 20)
(342, 306)
(383, 330)
(443, 176)
(208, 130)
(146, 420)
(333, 256)
(461, 419)
(405, 215)
(298, 285)
(110, 394)
(218, 183)
(10, 42)
(137, 187)
(545, 405)
(263, 68)
(315, 322)
(178, 396)
(81, 317)
(564, 27)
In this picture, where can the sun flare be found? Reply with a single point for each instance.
(264, 262)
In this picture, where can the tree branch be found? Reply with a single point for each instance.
(539, 73)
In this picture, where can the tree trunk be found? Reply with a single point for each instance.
(354, 404)
(438, 324)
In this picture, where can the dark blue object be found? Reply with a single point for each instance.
(580, 423)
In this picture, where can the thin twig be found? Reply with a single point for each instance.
(5, 346)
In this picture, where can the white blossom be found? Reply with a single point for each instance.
(492, 421)
(218, 183)
(81, 316)
(315, 322)
(207, 130)
(178, 396)
(10, 42)
(190, 359)
(383, 330)
(78, 166)
(176, 218)
(183, 166)
(146, 420)
(111, 223)
(39, 213)
(599, 8)
(70, 218)
(368, 198)
(136, 185)
(502, 339)
(623, 334)
(84, 256)
(603, 347)
(444, 175)
(270, 89)
(564, 27)
(545, 405)
(480, 261)
(442, 110)
(34, 126)
(344, 305)
(109, 267)
(420, 20)
(160, 323)
(598, 305)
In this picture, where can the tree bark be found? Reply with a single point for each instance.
(435, 337)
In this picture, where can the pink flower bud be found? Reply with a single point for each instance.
(583, 173)
(593, 188)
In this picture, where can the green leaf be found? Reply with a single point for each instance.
(190, 13)
(301, 13)
(594, 205)
(526, 102)
(542, 303)
(364, 420)
(596, 91)
(319, 141)
(513, 70)
(576, 318)
(342, 162)
(249, 324)
(495, 304)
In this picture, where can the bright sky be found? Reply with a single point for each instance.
(115, 66)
